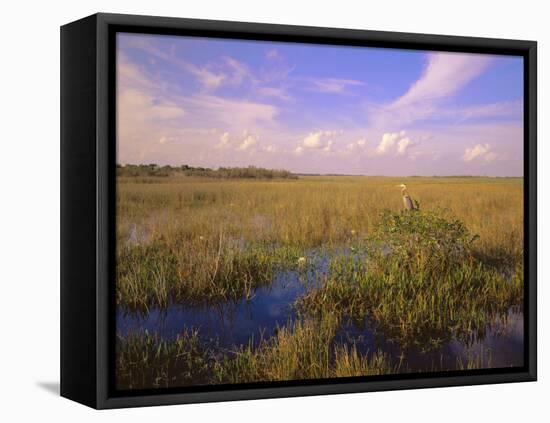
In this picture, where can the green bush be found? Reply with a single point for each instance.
(419, 283)
(420, 241)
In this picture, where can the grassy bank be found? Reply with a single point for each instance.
(305, 349)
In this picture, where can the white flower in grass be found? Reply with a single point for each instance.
(301, 261)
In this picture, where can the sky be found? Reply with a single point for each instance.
(316, 108)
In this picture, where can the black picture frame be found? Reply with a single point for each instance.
(88, 206)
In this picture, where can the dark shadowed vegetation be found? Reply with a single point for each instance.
(250, 172)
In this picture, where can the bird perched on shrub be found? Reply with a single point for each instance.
(407, 200)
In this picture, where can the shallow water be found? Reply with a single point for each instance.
(246, 321)
(501, 346)
(232, 323)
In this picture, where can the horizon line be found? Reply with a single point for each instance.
(329, 173)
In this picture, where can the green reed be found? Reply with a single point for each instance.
(419, 282)
(304, 349)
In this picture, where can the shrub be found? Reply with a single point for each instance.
(420, 241)
(419, 283)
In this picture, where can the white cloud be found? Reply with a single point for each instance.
(331, 85)
(313, 140)
(499, 109)
(141, 99)
(388, 142)
(210, 80)
(249, 142)
(129, 75)
(168, 139)
(445, 74)
(275, 92)
(239, 71)
(224, 140)
(155, 120)
(356, 146)
(403, 144)
(319, 140)
(394, 142)
(236, 114)
(328, 146)
(141, 105)
(164, 122)
(481, 152)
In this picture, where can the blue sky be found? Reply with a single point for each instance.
(316, 108)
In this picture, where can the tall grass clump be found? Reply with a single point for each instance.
(304, 349)
(195, 272)
(145, 360)
(420, 283)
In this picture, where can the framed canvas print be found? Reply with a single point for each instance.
(255, 211)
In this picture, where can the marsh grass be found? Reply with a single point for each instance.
(145, 360)
(317, 210)
(448, 271)
(420, 282)
(160, 273)
(304, 349)
(480, 359)
(206, 240)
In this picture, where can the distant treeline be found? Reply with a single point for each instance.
(250, 172)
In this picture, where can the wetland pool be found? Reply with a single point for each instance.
(247, 321)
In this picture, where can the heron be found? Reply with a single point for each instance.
(407, 200)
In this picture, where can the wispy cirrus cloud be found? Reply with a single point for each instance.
(276, 92)
(503, 109)
(130, 75)
(149, 111)
(331, 85)
(444, 75)
(218, 110)
(209, 78)
(231, 113)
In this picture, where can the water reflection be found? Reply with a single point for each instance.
(500, 346)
